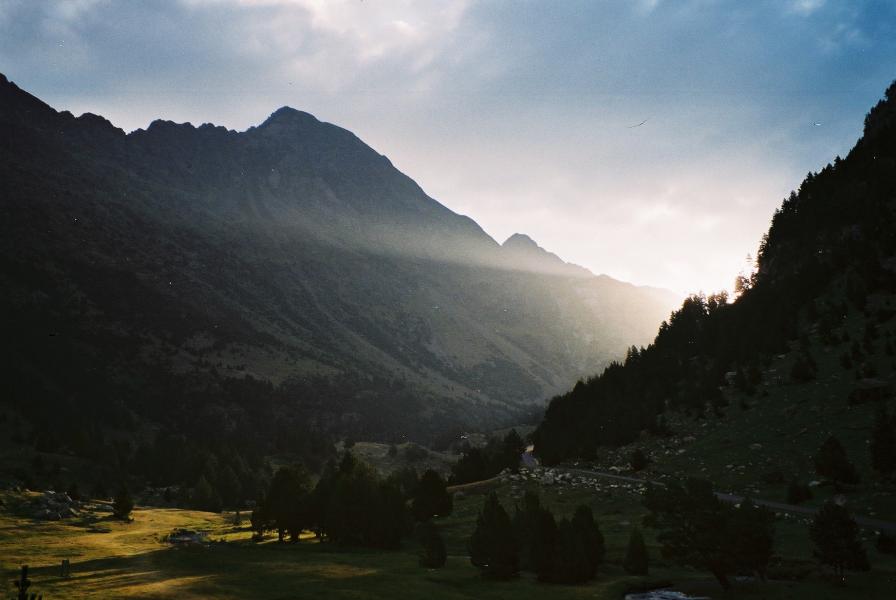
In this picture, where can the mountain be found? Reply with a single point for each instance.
(526, 255)
(265, 283)
(813, 323)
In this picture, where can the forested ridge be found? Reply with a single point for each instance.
(831, 245)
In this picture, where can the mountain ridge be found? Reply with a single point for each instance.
(286, 253)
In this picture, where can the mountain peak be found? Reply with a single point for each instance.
(520, 240)
(526, 254)
(288, 115)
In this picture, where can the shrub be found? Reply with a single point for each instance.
(797, 493)
(639, 460)
(123, 504)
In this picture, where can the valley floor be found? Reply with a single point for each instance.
(110, 559)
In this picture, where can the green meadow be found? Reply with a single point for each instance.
(111, 559)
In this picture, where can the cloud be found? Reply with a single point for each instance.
(516, 113)
(806, 7)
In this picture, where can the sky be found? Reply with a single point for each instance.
(650, 140)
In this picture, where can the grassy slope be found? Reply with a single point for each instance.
(789, 421)
(115, 560)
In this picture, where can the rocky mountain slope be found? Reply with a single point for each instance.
(145, 270)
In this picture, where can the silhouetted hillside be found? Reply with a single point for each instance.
(830, 252)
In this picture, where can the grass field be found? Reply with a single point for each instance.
(111, 559)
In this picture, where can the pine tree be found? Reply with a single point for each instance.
(432, 552)
(883, 444)
(836, 538)
(543, 547)
(572, 563)
(636, 560)
(831, 462)
(493, 547)
(692, 526)
(123, 504)
(592, 539)
(431, 498)
(751, 537)
(286, 502)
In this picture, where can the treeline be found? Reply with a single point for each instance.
(838, 228)
(498, 454)
(557, 551)
(695, 528)
(350, 505)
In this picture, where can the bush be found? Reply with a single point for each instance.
(797, 493)
(123, 504)
(639, 460)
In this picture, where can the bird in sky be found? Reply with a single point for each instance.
(639, 124)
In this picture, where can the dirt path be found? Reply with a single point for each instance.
(867, 522)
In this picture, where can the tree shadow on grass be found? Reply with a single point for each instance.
(213, 570)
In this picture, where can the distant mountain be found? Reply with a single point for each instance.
(817, 316)
(524, 254)
(147, 274)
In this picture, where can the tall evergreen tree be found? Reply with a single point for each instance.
(836, 538)
(536, 534)
(432, 546)
(751, 537)
(572, 563)
(636, 561)
(286, 503)
(691, 522)
(431, 498)
(831, 462)
(122, 504)
(592, 539)
(493, 547)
